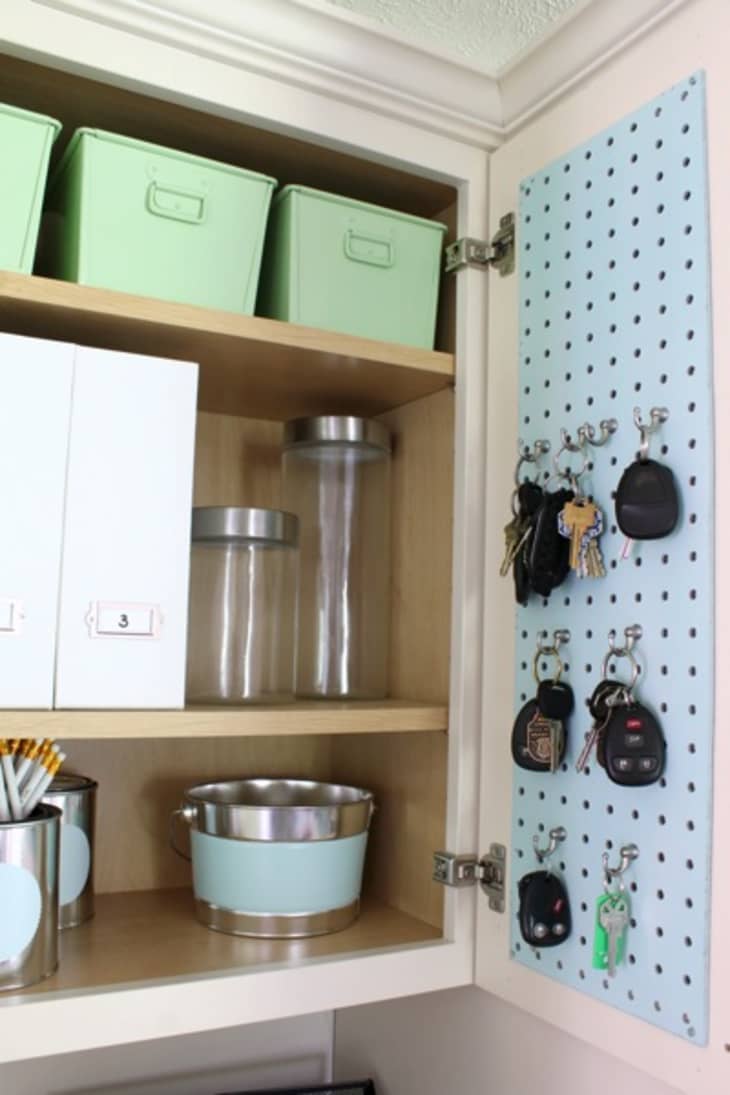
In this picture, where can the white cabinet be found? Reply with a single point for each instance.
(190, 993)
(126, 545)
(35, 404)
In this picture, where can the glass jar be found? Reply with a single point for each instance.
(337, 481)
(242, 612)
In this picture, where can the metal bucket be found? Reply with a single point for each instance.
(29, 898)
(277, 858)
(75, 797)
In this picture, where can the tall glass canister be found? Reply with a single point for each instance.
(337, 481)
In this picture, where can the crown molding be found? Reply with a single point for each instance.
(583, 44)
(307, 48)
(301, 45)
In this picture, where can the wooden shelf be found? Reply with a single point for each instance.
(259, 368)
(153, 935)
(291, 720)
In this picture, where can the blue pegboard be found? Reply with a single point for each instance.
(615, 313)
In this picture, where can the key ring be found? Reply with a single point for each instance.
(620, 652)
(547, 652)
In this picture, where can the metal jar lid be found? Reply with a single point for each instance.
(240, 524)
(67, 784)
(336, 428)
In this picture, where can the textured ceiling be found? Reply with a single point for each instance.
(485, 34)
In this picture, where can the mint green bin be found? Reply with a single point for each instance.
(345, 265)
(25, 149)
(136, 217)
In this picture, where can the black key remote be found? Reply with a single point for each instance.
(633, 748)
(533, 739)
(647, 502)
(544, 913)
(555, 699)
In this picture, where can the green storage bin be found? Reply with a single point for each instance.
(25, 149)
(132, 216)
(349, 266)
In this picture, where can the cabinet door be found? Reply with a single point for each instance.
(35, 402)
(124, 580)
(613, 219)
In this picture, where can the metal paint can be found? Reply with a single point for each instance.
(29, 855)
(75, 797)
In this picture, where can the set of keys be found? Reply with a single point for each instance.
(613, 916)
(628, 738)
(581, 522)
(539, 733)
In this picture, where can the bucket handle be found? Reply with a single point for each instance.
(181, 812)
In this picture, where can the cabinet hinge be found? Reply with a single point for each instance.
(500, 253)
(467, 870)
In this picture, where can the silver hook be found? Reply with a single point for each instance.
(560, 636)
(587, 432)
(570, 474)
(524, 455)
(628, 853)
(658, 415)
(632, 634)
(555, 837)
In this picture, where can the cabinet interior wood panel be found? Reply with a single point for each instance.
(77, 101)
(141, 783)
(407, 773)
(238, 463)
(422, 487)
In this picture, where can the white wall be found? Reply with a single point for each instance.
(263, 1055)
(465, 1042)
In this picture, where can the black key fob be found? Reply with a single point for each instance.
(534, 737)
(634, 748)
(544, 912)
(548, 561)
(647, 502)
(555, 699)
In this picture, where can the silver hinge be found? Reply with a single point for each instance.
(467, 870)
(500, 253)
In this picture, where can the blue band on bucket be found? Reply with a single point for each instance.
(280, 878)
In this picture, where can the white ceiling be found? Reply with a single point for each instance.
(487, 35)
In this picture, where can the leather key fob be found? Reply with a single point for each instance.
(531, 737)
(647, 502)
(634, 748)
(548, 560)
(544, 912)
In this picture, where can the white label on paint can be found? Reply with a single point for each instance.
(20, 910)
(74, 865)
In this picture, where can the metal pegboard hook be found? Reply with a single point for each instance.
(628, 853)
(527, 456)
(587, 433)
(657, 416)
(632, 634)
(560, 636)
(556, 836)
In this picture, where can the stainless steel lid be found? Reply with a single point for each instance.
(334, 428)
(243, 523)
(278, 809)
(66, 784)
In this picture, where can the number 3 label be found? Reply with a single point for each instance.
(109, 618)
